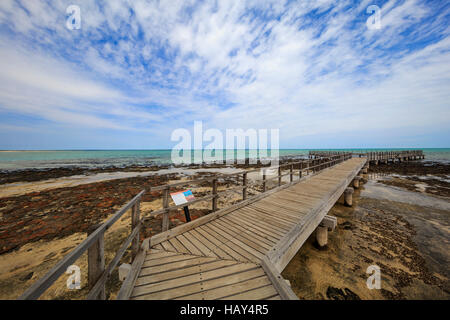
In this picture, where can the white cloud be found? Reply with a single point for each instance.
(257, 64)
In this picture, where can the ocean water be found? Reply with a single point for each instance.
(14, 160)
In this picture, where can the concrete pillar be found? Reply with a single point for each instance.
(356, 182)
(364, 170)
(348, 196)
(322, 236)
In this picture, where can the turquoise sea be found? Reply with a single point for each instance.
(13, 160)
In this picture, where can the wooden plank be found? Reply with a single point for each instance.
(178, 245)
(276, 206)
(179, 282)
(187, 243)
(200, 246)
(289, 218)
(194, 260)
(211, 245)
(168, 246)
(166, 260)
(245, 237)
(183, 272)
(220, 245)
(251, 227)
(228, 241)
(249, 230)
(270, 216)
(260, 223)
(270, 220)
(246, 244)
(180, 292)
(229, 289)
(156, 254)
(255, 294)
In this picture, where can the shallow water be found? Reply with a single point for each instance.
(13, 160)
(375, 190)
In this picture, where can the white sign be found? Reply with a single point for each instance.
(182, 197)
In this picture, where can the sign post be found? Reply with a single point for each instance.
(181, 197)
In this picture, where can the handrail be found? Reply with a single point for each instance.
(39, 287)
(322, 163)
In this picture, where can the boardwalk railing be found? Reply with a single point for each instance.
(395, 155)
(94, 244)
(98, 274)
(294, 169)
(382, 156)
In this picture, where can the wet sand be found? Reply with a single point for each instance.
(406, 233)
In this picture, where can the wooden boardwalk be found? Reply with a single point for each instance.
(238, 253)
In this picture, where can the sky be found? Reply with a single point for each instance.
(135, 71)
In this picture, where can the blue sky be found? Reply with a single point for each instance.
(137, 70)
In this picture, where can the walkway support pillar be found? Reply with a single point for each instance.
(322, 236)
(328, 224)
(356, 182)
(348, 196)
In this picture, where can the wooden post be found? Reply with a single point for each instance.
(244, 183)
(214, 192)
(135, 217)
(96, 261)
(165, 220)
(292, 172)
(279, 176)
(264, 180)
(300, 166)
